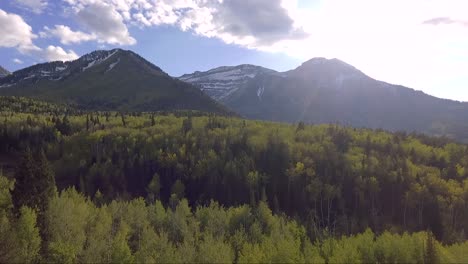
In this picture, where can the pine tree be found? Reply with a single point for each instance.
(46, 181)
(124, 123)
(35, 182)
(153, 121)
(23, 193)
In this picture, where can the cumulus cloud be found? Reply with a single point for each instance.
(105, 23)
(36, 6)
(265, 20)
(56, 53)
(17, 61)
(244, 22)
(446, 21)
(66, 35)
(15, 33)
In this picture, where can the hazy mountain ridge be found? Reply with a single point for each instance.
(332, 91)
(108, 80)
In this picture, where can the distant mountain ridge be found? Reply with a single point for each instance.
(332, 91)
(3, 72)
(220, 82)
(109, 80)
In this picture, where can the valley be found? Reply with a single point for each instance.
(111, 148)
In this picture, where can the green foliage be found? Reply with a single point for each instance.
(134, 232)
(236, 190)
(67, 219)
(6, 203)
(431, 254)
(153, 189)
(120, 251)
(26, 238)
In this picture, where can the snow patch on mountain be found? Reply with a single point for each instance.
(260, 92)
(221, 82)
(57, 70)
(112, 65)
(97, 57)
(29, 77)
(61, 68)
(91, 64)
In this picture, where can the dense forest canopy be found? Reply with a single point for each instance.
(81, 186)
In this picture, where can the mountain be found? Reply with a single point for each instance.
(221, 82)
(108, 80)
(332, 91)
(3, 72)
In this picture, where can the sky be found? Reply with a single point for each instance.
(422, 44)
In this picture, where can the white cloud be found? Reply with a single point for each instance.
(446, 21)
(36, 6)
(17, 61)
(56, 53)
(104, 22)
(15, 33)
(244, 22)
(267, 21)
(162, 13)
(66, 35)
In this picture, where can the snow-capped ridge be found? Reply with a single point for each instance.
(58, 70)
(98, 57)
(222, 81)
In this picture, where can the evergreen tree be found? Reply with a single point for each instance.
(124, 122)
(35, 182)
(153, 120)
(25, 188)
(45, 180)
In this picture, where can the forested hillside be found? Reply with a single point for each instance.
(187, 186)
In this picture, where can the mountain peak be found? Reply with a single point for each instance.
(327, 68)
(320, 61)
